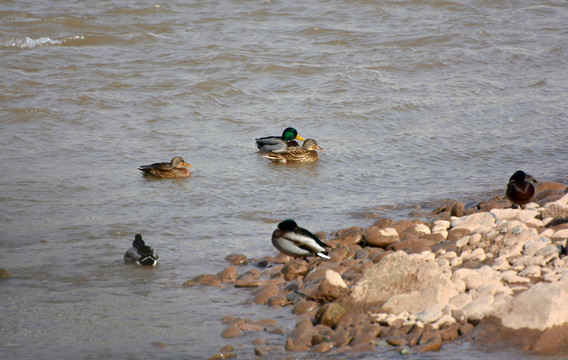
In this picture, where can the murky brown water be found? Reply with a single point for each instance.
(413, 101)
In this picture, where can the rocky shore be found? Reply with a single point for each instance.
(487, 274)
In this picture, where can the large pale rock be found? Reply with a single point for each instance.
(525, 216)
(541, 306)
(404, 283)
(479, 222)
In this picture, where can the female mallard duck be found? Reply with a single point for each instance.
(305, 153)
(292, 240)
(278, 143)
(173, 169)
(140, 253)
(521, 189)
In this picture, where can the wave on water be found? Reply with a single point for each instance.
(31, 43)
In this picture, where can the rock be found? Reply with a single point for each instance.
(237, 259)
(457, 233)
(457, 209)
(323, 347)
(4, 274)
(264, 293)
(382, 238)
(350, 236)
(277, 300)
(330, 288)
(433, 344)
(294, 269)
(330, 314)
(479, 222)
(303, 307)
(405, 283)
(232, 331)
(431, 314)
(541, 306)
(252, 274)
(204, 279)
(228, 274)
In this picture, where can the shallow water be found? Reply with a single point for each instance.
(414, 102)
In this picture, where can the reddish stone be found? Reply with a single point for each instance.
(228, 274)
(294, 269)
(304, 307)
(232, 331)
(263, 293)
(204, 279)
(237, 259)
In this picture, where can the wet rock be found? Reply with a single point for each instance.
(277, 300)
(237, 259)
(433, 344)
(350, 236)
(294, 269)
(303, 307)
(231, 331)
(259, 352)
(378, 237)
(228, 274)
(330, 314)
(396, 341)
(4, 274)
(300, 339)
(323, 347)
(204, 279)
(457, 209)
(249, 284)
(263, 293)
(252, 274)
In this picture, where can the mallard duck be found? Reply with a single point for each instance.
(173, 169)
(292, 240)
(140, 253)
(521, 189)
(278, 143)
(305, 153)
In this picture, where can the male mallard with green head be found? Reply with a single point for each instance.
(278, 143)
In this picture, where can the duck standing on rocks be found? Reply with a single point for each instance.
(164, 170)
(521, 189)
(140, 253)
(278, 143)
(292, 240)
(294, 154)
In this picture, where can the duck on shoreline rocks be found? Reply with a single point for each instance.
(521, 189)
(484, 277)
(292, 240)
(140, 253)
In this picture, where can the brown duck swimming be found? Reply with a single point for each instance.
(177, 168)
(521, 189)
(305, 153)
